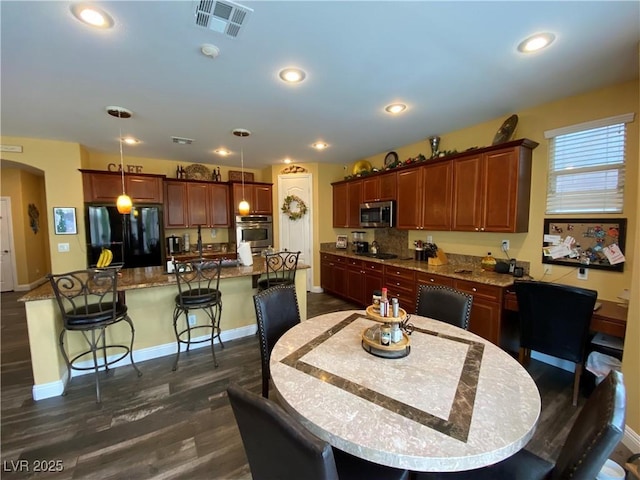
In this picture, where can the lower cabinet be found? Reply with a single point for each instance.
(355, 280)
(401, 284)
(486, 311)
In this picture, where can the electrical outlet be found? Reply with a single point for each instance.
(547, 269)
(504, 245)
(583, 273)
(192, 319)
(429, 239)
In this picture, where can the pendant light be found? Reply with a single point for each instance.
(243, 207)
(123, 203)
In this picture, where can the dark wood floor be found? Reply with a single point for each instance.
(166, 424)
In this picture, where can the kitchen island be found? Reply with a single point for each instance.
(150, 297)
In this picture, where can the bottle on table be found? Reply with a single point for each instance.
(488, 263)
(384, 303)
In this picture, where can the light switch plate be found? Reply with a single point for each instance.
(63, 247)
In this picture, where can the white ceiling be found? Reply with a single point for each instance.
(454, 64)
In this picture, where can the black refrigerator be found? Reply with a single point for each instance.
(135, 238)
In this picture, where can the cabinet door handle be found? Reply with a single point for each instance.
(432, 280)
(474, 289)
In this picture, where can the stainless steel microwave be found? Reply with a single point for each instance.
(377, 214)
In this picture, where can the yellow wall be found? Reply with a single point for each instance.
(31, 249)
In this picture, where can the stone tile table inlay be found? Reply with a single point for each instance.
(456, 402)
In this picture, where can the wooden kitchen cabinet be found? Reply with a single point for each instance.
(355, 285)
(379, 188)
(424, 278)
(333, 273)
(401, 284)
(362, 279)
(193, 203)
(259, 196)
(486, 311)
(491, 189)
(409, 203)
(347, 197)
(106, 187)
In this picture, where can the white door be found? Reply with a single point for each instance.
(296, 235)
(6, 246)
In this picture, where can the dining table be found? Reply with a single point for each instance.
(455, 402)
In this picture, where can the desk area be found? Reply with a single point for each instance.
(456, 402)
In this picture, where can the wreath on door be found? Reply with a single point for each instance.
(294, 214)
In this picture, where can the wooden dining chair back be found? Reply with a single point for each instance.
(445, 304)
(198, 284)
(593, 437)
(554, 320)
(279, 447)
(88, 303)
(281, 269)
(276, 312)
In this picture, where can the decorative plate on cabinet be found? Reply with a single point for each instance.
(506, 130)
(197, 172)
(361, 167)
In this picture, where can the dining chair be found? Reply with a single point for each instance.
(554, 320)
(595, 434)
(279, 447)
(276, 312)
(281, 269)
(88, 303)
(198, 289)
(445, 304)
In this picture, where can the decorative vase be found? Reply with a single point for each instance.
(435, 143)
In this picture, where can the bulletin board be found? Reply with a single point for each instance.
(579, 242)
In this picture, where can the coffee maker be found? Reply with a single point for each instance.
(358, 245)
(174, 245)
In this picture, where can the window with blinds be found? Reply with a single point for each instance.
(587, 167)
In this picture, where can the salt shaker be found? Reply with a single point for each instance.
(395, 307)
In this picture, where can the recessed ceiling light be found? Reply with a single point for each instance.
(292, 75)
(395, 108)
(320, 145)
(91, 15)
(130, 140)
(223, 152)
(287, 161)
(536, 42)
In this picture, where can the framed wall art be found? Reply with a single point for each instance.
(64, 219)
(581, 242)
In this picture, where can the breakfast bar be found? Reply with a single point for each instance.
(150, 297)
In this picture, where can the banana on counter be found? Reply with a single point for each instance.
(106, 256)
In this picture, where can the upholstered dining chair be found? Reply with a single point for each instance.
(595, 434)
(279, 447)
(198, 289)
(276, 311)
(88, 303)
(554, 320)
(281, 269)
(445, 304)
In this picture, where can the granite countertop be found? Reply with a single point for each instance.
(472, 271)
(146, 277)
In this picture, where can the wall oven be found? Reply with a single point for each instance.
(257, 230)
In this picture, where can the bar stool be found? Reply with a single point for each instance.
(88, 302)
(198, 289)
(281, 269)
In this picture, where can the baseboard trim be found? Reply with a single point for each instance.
(30, 286)
(631, 439)
(316, 289)
(56, 388)
(554, 361)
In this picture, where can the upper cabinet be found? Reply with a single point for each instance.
(379, 187)
(259, 196)
(192, 203)
(105, 187)
(347, 197)
(491, 189)
(482, 190)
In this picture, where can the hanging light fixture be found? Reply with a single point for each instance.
(123, 203)
(243, 207)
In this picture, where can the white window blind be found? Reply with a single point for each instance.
(587, 167)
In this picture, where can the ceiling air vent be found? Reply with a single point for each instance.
(182, 140)
(222, 16)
